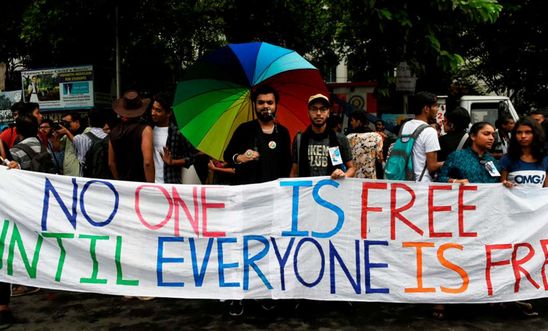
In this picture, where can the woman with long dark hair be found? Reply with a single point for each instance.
(525, 163)
(473, 164)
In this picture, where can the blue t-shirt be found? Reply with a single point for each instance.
(525, 173)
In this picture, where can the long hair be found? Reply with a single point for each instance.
(514, 148)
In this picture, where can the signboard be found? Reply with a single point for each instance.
(405, 80)
(7, 99)
(312, 238)
(59, 88)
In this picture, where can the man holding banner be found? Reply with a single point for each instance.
(320, 151)
(259, 150)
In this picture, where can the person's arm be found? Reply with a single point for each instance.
(170, 161)
(294, 170)
(2, 151)
(66, 132)
(112, 161)
(432, 163)
(147, 148)
(211, 165)
(447, 172)
(504, 179)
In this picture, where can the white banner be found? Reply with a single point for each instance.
(311, 238)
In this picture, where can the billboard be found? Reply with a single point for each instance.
(59, 88)
(7, 99)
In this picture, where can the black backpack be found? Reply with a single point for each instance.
(96, 158)
(39, 162)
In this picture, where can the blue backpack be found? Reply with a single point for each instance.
(399, 165)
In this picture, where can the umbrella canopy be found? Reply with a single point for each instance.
(214, 97)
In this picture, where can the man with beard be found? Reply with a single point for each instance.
(259, 150)
(320, 151)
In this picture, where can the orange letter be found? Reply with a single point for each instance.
(419, 288)
(454, 267)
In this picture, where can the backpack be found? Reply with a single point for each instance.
(96, 158)
(39, 162)
(399, 165)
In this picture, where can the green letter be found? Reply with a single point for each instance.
(16, 239)
(3, 241)
(119, 276)
(59, 237)
(93, 243)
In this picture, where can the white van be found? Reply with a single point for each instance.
(486, 108)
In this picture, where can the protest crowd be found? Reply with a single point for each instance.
(142, 143)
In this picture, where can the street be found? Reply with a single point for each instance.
(58, 310)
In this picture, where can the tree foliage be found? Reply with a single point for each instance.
(510, 56)
(159, 39)
(377, 35)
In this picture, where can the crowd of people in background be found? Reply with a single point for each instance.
(142, 143)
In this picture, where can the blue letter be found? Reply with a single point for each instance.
(199, 275)
(295, 260)
(71, 217)
(333, 254)
(295, 209)
(282, 260)
(251, 261)
(83, 205)
(161, 260)
(369, 266)
(222, 266)
(328, 205)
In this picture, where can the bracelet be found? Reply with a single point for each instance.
(235, 159)
(451, 180)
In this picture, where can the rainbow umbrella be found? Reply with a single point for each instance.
(214, 97)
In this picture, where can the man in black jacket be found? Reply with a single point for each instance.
(259, 150)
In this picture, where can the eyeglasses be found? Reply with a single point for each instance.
(316, 109)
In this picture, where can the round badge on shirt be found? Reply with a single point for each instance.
(272, 144)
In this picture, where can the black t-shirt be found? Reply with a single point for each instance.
(274, 149)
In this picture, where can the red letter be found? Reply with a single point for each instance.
(419, 288)
(432, 209)
(138, 208)
(489, 263)
(180, 203)
(205, 206)
(396, 212)
(454, 267)
(365, 208)
(516, 265)
(544, 244)
(463, 207)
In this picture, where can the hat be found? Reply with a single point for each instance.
(319, 98)
(130, 105)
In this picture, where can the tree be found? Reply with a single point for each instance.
(377, 35)
(510, 56)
